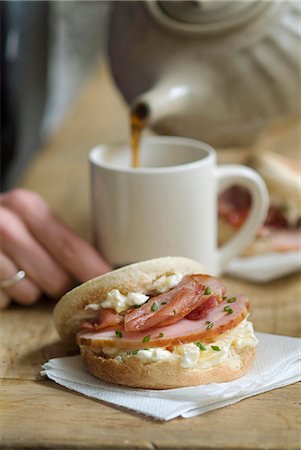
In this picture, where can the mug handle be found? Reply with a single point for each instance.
(229, 175)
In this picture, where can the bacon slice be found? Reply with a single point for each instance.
(173, 305)
(284, 240)
(87, 326)
(234, 205)
(202, 311)
(107, 318)
(184, 331)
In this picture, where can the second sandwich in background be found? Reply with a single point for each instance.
(281, 231)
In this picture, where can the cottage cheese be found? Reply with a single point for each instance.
(230, 343)
(120, 302)
(166, 282)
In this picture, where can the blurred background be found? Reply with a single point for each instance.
(48, 49)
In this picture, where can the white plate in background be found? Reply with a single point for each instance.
(265, 267)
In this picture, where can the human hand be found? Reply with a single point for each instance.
(34, 239)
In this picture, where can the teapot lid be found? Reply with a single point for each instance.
(204, 16)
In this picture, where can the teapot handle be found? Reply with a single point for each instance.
(229, 175)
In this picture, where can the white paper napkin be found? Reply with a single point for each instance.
(277, 364)
(265, 267)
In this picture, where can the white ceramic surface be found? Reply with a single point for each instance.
(168, 206)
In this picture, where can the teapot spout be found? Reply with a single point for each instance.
(158, 108)
(196, 106)
(177, 104)
(141, 110)
(140, 114)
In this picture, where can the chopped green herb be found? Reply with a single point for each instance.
(175, 312)
(228, 309)
(148, 349)
(200, 345)
(137, 306)
(164, 303)
(215, 348)
(285, 207)
(224, 297)
(161, 335)
(146, 339)
(207, 290)
(207, 321)
(209, 325)
(154, 307)
(231, 300)
(118, 333)
(134, 352)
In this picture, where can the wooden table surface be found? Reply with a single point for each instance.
(39, 414)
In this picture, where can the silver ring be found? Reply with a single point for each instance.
(10, 281)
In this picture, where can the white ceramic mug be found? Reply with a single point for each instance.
(168, 206)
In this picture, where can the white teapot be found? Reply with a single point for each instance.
(219, 71)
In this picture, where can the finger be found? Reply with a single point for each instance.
(29, 255)
(23, 291)
(4, 299)
(75, 254)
